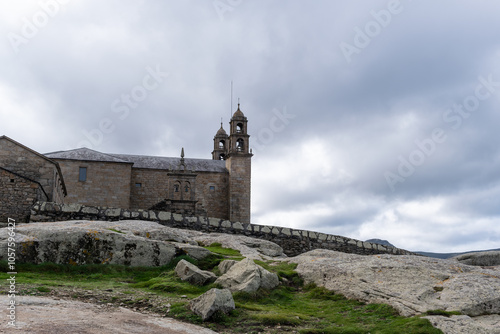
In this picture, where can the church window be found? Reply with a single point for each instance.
(176, 188)
(212, 188)
(222, 144)
(138, 185)
(222, 157)
(82, 176)
(187, 187)
(239, 128)
(240, 145)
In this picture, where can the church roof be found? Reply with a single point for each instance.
(238, 113)
(84, 154)
(221, 131)
(168, 163)
(141, 161)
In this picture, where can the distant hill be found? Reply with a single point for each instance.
(429, 254)
(380, 242)
(448, 255)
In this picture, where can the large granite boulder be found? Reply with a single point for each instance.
(194, 275)
(85, 242)
(411, 284)
(225, 265)
(215, 300)
(485, 259)
(463, 324)
(248, 277)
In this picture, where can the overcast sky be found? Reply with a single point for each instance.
(368, 119)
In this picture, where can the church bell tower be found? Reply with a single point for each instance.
(239, 164)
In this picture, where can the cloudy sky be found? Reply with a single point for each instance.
(368, 119)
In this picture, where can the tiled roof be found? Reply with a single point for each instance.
(84, 154)
(141, 161)
(197, 165)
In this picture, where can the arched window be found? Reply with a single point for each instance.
(222, 157)
(187, 187)
(240, 145)
(222, 144)
(239, 128)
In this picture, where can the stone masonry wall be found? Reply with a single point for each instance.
(21, 160)
(107, 183)
(292, 241)
(239, 166)
(17, 196)
(154, 185)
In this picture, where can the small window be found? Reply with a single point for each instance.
(12, 180)
(82, 177)
(212, 188)
(176, 188)
(138, 185)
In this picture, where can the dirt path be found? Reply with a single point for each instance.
(42, 315)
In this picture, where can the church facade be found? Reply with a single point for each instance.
(219, 187)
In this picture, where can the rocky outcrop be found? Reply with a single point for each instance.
(246, 276)
(192, 274)
(78, 242)
(135, 243)
(411, 284)
(484, 259)
(215, 300)
(225, 265)
(463, 324)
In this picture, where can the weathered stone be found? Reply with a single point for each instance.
(248, 277)
(462, 324)
(411, 284)
(85, 242)
(90, 210)
(286, 231)
(214, 222)
(194, 275)
(486, 259)
(265, 229)
(71, 208)
(215, 300)
(164, 216)
(226, 224)
(178, 217)
(196, 252)
(113, 212)
(238, 226)
(225, 265)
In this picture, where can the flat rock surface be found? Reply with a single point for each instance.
(411, 284)
(41, 315)
(462, 324)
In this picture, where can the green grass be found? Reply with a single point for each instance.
(218, 249)
(293, 307)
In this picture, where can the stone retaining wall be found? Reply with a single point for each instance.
(292, 241)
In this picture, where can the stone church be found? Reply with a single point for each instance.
(217, 187)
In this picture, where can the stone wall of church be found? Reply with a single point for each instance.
(239, 166)
(212, 191)
(151, 186)
(17, 196)
(148, 187)
(107, 183)
(18, 159)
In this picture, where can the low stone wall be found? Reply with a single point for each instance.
(292, 241)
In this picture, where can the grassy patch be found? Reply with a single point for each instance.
(292, 307)
(229, 252)
(112, 229)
